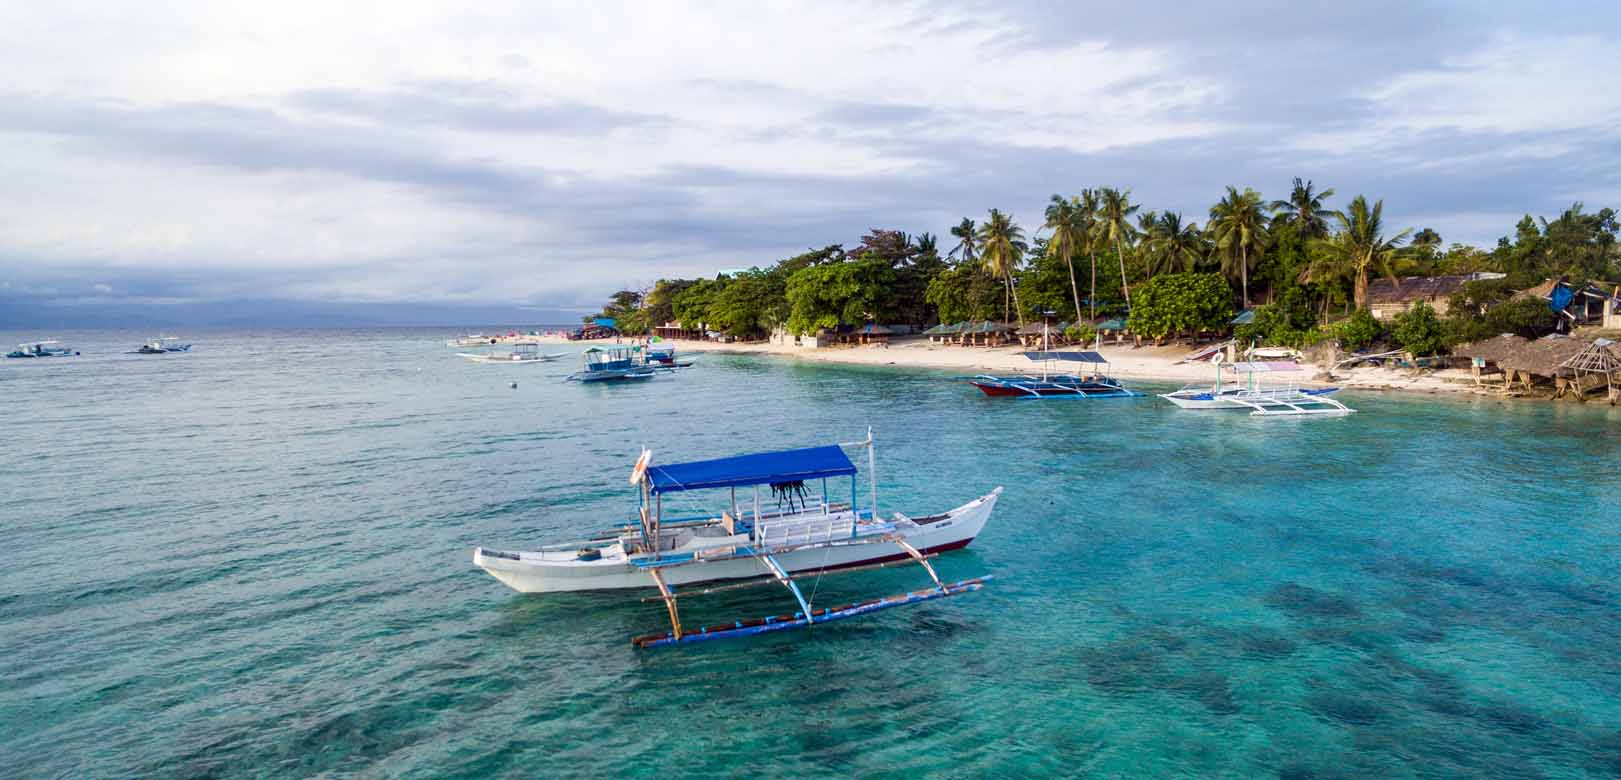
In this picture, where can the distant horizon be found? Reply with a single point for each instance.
(276, 314)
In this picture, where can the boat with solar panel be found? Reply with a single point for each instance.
(1248, 390)
(1092, 382)
(778, 531)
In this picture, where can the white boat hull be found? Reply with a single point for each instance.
(533, 573)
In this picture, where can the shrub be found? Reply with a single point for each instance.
(1172, 303)
(1080, 333)
(1418, 330)
(1359, 331)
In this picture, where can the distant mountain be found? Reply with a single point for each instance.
(272, 314)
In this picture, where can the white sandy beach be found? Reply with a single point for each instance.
(1125, 361)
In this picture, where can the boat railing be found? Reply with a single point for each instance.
(799, 530)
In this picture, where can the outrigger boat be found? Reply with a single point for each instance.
(664, 357)
(1094, 384)
(1248, 392)
(40, 349)
(764, 543)
(1053, 383)
(162, 345)
(522, 353)
(612, 364)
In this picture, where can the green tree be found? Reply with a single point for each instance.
(1174, 303)
(1174, 246)
(1239, 228)
(963, 292)
(1114, 225)
(1002, 247)
(826, 296)
(1068, 228)
(967, 248)
(1304, 210)
(1418, 330)
(1358, 331)
(1361, 247)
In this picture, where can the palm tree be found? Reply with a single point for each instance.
(926, 244)
(1174, 246)
(968, 244)
(1360, 247)
(1239, 227)
(1304, 209)
(1114, 224)
(1064, 219)
(1002, 245)
(1088, 217)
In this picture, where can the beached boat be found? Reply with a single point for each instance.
(162, 345)
(613, 364)
(784, 535)
(40, 349)
(522, 353)
(1262, 399)
(1095, 383)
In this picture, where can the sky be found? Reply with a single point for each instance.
(544, 155)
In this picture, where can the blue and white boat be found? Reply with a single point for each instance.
(162, 345)
(779, 532)
(40, 349)
(1095, 383)
(1248, 391)
(613, 364)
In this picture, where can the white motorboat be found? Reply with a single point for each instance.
(522, 353)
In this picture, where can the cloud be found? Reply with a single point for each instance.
(547, 156)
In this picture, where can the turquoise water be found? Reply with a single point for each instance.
(254, 561)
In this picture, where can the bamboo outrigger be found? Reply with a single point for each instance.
(809, 539)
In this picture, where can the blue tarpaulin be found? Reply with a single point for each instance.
(757, 469)
(606, 322)
(1560, 297)
(1074, 357)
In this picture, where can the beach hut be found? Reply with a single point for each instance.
(943, 332)
(1388, 298)
(1587, 305)
(873, 333)
(987, 333)
(1527, 364)
(1115, 326)
(1597, 366)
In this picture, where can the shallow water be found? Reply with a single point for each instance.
(253, 561)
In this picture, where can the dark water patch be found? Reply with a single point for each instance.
(1305, 601)
(1265, 643)
(1507, 716)
(1345, 708)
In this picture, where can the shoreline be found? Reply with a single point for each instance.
(1125, 362)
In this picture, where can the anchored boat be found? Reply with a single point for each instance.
(521, 353)
(162, 345)
(782, 536)
(1095, 383)
(612, 364)
(1248, 391)
(40, 349)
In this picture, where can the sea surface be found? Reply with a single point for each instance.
(254, 560)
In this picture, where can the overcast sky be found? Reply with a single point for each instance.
(546, 155)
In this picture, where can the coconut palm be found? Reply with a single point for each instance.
(1114, 225)
(1087, 215)
(926, 244)
(1002, 245)
(1239, 228)
(1064, 220)
(1360, 247)
(1173, 245)
(967, 246)
(1304, 209)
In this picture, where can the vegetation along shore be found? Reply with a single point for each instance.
(1379, 305)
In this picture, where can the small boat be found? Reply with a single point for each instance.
(783, 536)
(1094, 384)
(664, 357)
(612, 364)
(162, 345)
(522, 353)
(40, 349)
(473, 340)
(1285, 398)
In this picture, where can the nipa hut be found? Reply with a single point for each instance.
(1597, 366)
(873, 333)
(1528, 363)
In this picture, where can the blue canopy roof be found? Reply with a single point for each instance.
(1074, 357)
(758, 469)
